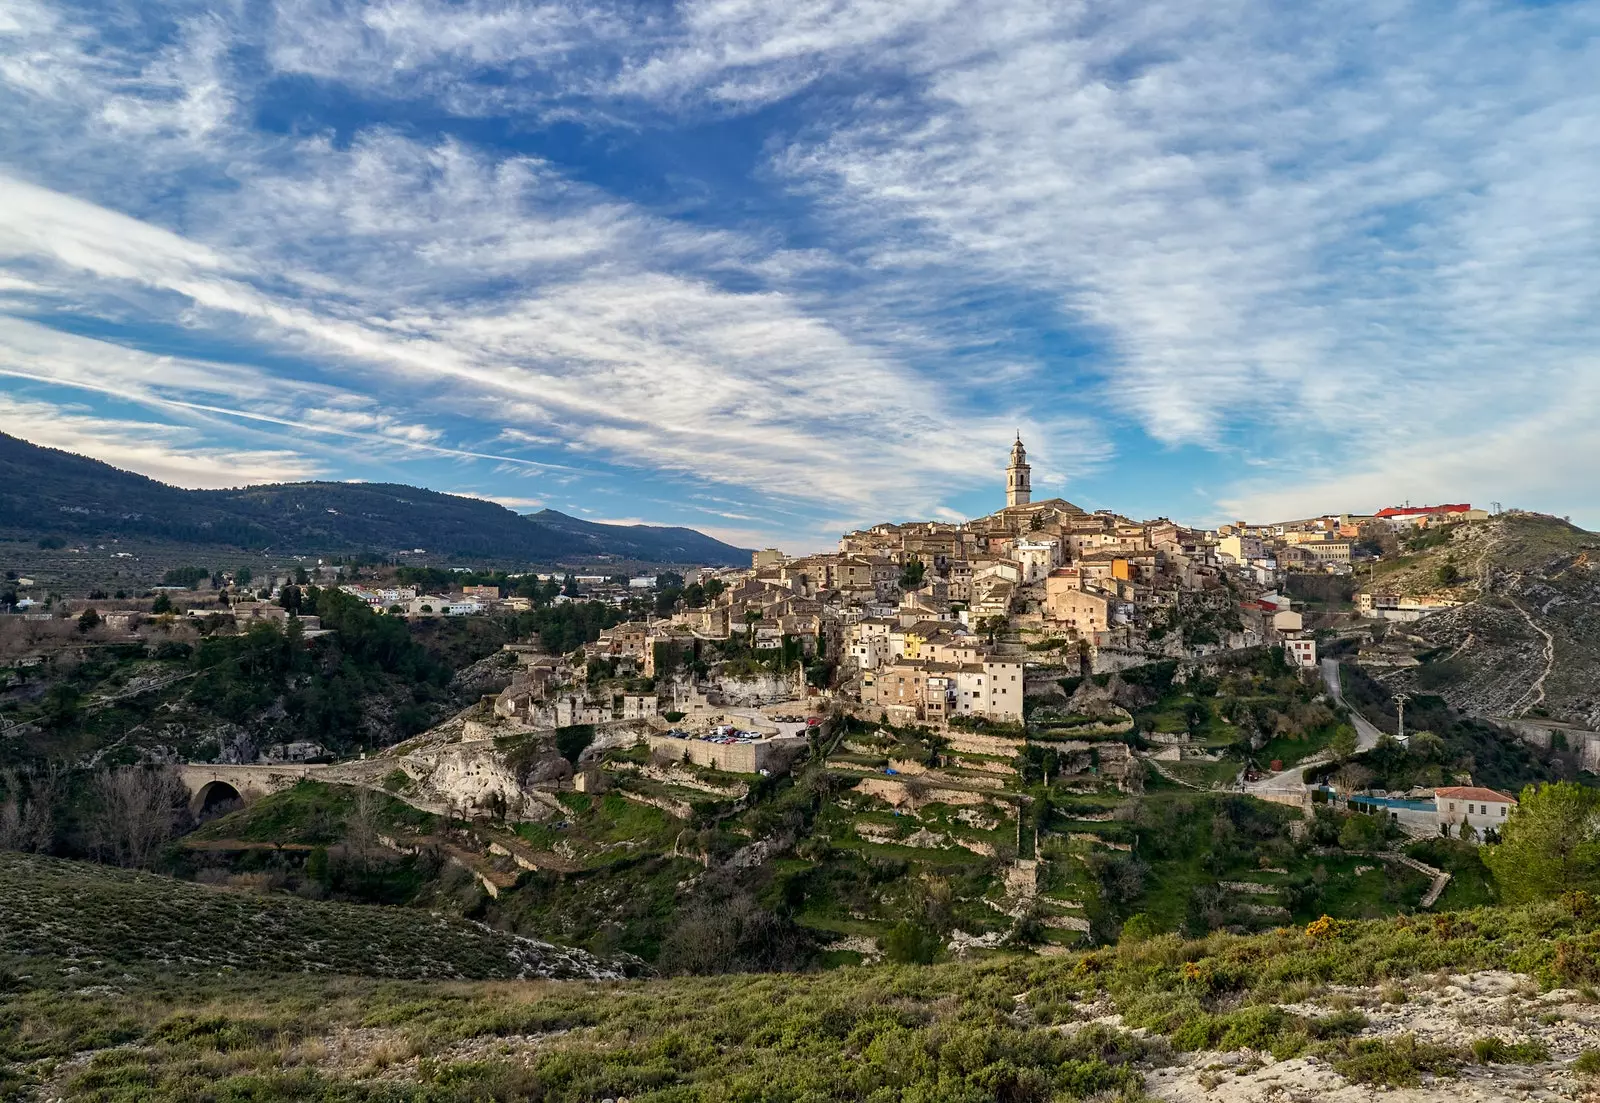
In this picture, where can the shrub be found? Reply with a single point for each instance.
(1588, 1063)
(1339, 1024)
(1393, 1064)
(1139, 928)
(1575, 961)
(910, 943)
(1494, 1051)
(1256, 1027)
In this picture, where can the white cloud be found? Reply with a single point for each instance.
(747, 53)
(537, 302)
(170, 453)
(1544, 461)
(509, 501)
(1215, 205)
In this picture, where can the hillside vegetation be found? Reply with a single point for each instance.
(147, 1023)
(74, 912)
(178, 693)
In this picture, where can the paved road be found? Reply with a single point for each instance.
(1367, 736)
(1289, 782)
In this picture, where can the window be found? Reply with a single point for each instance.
(1502, 810)
(1452, 806)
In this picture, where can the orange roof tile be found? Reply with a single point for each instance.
(1474, 792)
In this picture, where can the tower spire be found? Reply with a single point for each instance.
(1019, 476)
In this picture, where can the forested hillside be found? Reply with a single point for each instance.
(48, 493)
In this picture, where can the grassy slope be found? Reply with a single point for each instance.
(95, 915)
(99, 1029)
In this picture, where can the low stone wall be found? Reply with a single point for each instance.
(900, 794)
(773, 755)
(1299, 797)
(677, 808)
(924, 839)
(677, 775)
(1584, 744)
(908, 766)
(988, 782)
(983, 765)
(1065, 923)
(975, 743)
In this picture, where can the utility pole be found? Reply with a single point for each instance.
(1400, 700)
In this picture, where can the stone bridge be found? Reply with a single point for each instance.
(211, 783)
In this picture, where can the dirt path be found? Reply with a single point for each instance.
(1156, 766)
(1535, 691)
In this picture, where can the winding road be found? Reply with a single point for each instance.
(1367, 735)
(1291, 782)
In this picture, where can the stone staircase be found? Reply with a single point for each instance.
(1441, 879)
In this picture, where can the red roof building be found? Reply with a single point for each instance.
(1474, 793)
(1420, 511)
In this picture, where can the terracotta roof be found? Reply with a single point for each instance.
(1414, 511)
(1474, 792)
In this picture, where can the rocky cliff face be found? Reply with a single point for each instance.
(1528, 639)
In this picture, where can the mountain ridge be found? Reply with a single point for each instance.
(51, 492)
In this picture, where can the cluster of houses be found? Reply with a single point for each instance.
(1324, 543)
(411, 602)
(931, 621)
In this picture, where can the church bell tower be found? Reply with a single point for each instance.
(1019, 490)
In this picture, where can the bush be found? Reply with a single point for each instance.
(909, 943)
(734, 935)
(1259, 1027)
(1337, 1025)
(1494, 1051)
(1394, 1064)
(1139, 928)
(1588, 1063)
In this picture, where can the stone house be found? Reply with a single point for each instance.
(1481, 808)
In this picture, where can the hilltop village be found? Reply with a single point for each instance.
(937, 623)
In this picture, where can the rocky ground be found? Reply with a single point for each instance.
(1527, 638)
(1457, 1013)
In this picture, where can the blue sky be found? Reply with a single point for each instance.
(775, 270)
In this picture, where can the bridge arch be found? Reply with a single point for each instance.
(211, 794)
(211, 782)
